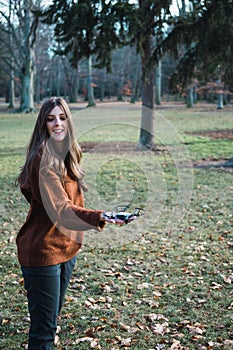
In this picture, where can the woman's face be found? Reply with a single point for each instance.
(57, 124)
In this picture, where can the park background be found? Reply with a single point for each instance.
(162, 287)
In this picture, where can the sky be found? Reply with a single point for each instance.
(174, 9)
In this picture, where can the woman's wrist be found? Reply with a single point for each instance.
(102, 218)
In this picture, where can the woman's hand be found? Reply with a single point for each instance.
(113, 220)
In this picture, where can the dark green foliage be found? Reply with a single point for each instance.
(86, 28)
(207, 35)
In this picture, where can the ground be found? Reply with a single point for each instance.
(216, 134)
(225, 164)
(122, 147)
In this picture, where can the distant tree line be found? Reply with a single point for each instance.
(94, 49)
(54, 74)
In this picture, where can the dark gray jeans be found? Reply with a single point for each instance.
(46, 287)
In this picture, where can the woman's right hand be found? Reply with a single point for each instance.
(113, 220)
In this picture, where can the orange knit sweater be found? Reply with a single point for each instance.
(53, 230)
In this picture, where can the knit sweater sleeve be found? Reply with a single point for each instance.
(47, 188)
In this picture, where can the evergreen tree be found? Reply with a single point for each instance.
(147, 23)
(207, 33)
(87, 28)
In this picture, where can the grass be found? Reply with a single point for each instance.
(162, 282)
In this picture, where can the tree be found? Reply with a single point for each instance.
(21, 28)
(207, 33)
(11, 78)
(158, 83)
(86, 29)
(47, 67)
(146, 29)
(27, 73)
(4, 59)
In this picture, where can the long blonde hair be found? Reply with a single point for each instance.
(39, 145)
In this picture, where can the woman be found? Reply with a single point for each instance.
(52, 182)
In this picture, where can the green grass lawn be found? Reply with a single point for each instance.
(162, 282)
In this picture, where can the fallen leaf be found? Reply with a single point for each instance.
(144, 286)
(197, 337)
(126, 342)
(157, 294)
(216, 286)
(228, 279)
(228, 342)
(160, 329)
(107, 288)
(124, 327)
(94, 344)
(102, 300)
(175, 345)
(195, 329)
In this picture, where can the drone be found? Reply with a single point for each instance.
(121, 213)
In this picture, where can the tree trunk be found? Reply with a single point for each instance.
(58, 76)
(37, 88)
(189, 99)
(74, 87)
(135, 77)
(220, 101)
(12, 75)
(158, 84)
(120, 89)
(26, 103)
(134, 87)
(11, 86)
(195, 93)
(102, 86)
(146, 140)
(29, 35)
(219, 94)
(90, 92)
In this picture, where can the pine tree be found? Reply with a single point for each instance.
(86, 28)
(207, 33)
(146, 29)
